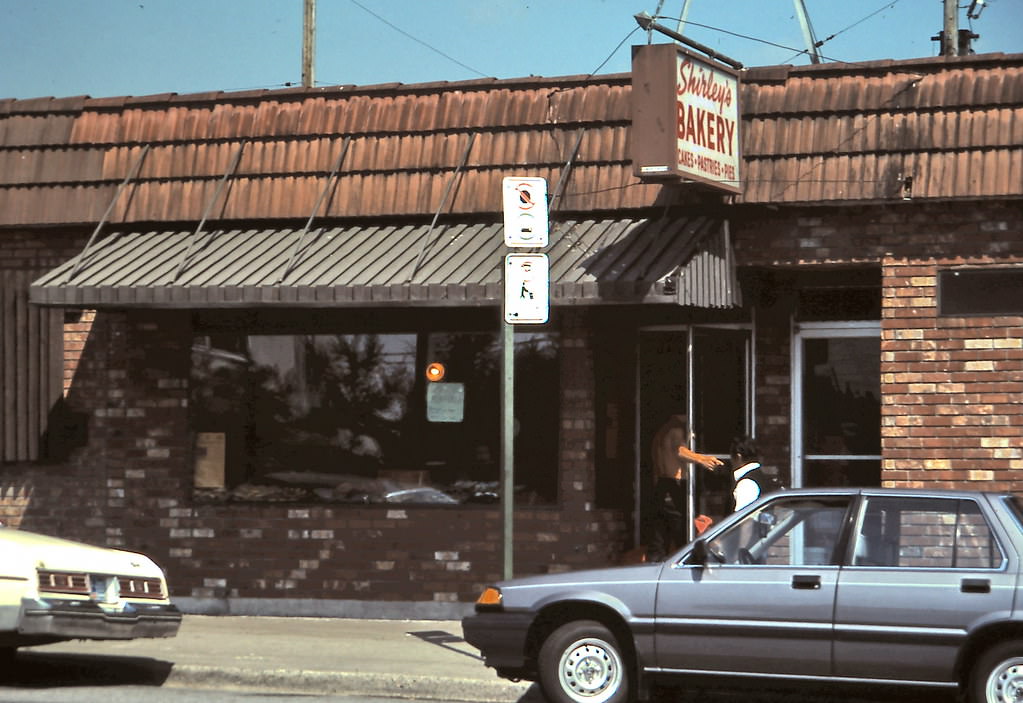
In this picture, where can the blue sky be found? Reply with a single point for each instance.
(140, 47)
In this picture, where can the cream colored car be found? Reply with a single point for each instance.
(53, 589)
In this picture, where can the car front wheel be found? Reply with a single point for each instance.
(581, 662)
(997, 676)
(7, 657)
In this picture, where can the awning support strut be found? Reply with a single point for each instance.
(133, 173)
(316, 208)
(566, 172)
(440, 207)
(231, 168)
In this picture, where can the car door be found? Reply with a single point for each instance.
(922, 571)
(763, 602)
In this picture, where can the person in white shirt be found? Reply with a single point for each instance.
(748, 476)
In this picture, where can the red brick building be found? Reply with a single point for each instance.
(217, 311)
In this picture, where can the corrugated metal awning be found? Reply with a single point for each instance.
(592, 261)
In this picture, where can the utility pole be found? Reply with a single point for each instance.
(950, 35)
(309, 44)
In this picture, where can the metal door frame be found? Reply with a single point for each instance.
(818, 330)
(750, 369)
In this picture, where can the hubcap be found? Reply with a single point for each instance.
(590, 670)
(1005, 685)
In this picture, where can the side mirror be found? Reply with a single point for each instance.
(698, 554)
(703, 554)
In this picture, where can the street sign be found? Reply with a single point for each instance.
(525, 211)
(526, 289)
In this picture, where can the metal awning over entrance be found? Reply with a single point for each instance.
(592, 261)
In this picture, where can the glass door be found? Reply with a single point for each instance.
(704, 374)
(836, 404)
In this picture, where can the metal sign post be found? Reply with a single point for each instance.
(508, 444)
(526, 301)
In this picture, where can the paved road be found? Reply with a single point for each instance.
(323, 659)
(410, 658)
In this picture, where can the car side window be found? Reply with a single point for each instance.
(925, 533)
(785, 532)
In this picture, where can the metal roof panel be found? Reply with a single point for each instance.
(366, 263)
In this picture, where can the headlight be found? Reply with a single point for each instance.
(490, 599)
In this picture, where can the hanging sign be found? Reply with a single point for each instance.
(685, 117)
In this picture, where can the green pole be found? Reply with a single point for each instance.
(508, 443)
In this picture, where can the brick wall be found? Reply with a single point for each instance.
(131, 487)
(953, 386)
(951, 414)
(952, 408)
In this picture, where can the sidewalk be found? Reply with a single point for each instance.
(408, 658)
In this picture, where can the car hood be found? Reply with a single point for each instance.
(24, 550)
(613, 574)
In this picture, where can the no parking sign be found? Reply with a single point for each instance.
(525, 211)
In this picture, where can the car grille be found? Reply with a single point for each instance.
(61, 582)
(139, 587)
(131, 587)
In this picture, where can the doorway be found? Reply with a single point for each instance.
(836, 404)
(704, 373)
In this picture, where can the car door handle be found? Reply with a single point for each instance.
(975, 586)
(810, 582)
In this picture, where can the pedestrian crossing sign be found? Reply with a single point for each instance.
(526, 288)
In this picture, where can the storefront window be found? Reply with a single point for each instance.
(381, 417)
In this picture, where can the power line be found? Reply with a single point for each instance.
(733, 34)
(613, 52)
(797, 51)
(419, 41)
(878, 11)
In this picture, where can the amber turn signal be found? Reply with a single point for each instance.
(435, 371)
(491, 597)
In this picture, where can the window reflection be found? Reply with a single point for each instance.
(785, 532)
(345, 417)
(842, 407)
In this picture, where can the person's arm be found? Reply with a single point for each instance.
(705, 460)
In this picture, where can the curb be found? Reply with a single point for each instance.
(352, 683)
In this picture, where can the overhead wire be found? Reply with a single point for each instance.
(613, 52)
(886, 6)
(470, 68)
(419, 41)
(828, 38)
(796, 50)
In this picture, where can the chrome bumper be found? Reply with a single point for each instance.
(80, 619)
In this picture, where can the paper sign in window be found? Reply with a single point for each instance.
(445, 402)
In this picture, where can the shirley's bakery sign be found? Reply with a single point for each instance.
(685, 117)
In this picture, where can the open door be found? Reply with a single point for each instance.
(704, 373)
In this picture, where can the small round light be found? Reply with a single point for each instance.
(435, 372)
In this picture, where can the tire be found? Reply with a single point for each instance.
(582, 662)
(997, 675)
(7, 657)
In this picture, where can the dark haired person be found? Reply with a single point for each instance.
(749, 480)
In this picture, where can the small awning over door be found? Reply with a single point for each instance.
(592, 262)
